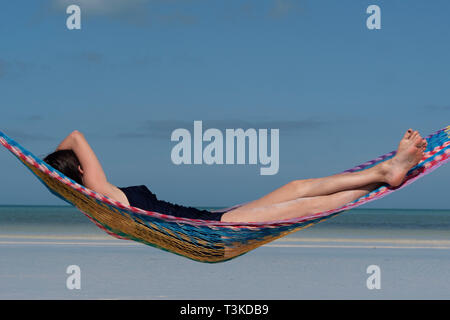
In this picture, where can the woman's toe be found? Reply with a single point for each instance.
(408, 134)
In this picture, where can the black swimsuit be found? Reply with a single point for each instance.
(141, 197)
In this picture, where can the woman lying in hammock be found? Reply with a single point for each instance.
(75, 158)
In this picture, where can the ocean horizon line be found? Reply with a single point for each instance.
(221, 207)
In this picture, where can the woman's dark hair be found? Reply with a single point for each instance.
(65, 161)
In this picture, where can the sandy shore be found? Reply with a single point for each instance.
(34, 267)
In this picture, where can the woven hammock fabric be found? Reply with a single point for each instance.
(202, 240)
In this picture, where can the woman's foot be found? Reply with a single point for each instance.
(409, 153)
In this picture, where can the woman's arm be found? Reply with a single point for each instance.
(93, 175)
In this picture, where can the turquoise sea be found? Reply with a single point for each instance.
(326, 261)
(419, 223)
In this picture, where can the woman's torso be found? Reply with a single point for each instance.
(141, 197)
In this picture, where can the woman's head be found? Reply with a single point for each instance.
(66, 161)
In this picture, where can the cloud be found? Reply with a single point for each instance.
(162, 129)
(15, 68)
(106, 61)
(102, 7)
(129, 11)
(438, 108)
(135, 12)
(92, 57)
(20, 135)
(158, 129)
(173, 12)
(282, 8)
(2, 69)
(34, 118)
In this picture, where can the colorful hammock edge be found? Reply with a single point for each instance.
(203, 240)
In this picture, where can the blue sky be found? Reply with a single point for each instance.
(339, 93)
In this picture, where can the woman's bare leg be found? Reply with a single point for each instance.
(298, 207)
(300, 197)
(318, 187)
(392, 172)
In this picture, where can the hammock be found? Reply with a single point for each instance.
(201, 240)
